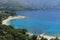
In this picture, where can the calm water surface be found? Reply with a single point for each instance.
(37, 22)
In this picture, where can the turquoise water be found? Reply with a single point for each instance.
(38, 22)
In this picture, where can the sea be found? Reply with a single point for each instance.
(39, 21)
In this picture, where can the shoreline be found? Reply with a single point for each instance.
(5, 22)
(47, 36)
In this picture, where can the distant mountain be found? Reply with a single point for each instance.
(11, 4)
(29, 4)
(17, 5)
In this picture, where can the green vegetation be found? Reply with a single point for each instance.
(34, 37)
(8, 32)
(6, 14)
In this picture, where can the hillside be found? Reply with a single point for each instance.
(11, 4)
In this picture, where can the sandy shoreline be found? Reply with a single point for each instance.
(5, 22)
(46, 36)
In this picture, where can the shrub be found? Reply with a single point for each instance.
(2, 38)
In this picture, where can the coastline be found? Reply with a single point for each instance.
(46, 36)
(5, 22)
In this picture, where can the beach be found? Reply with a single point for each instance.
(47, 36)
(5, 22)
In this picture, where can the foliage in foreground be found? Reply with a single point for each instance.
(9, 33)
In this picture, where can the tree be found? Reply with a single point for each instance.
(9, 37)
(12, 33)
(11, 27)
(0, 19)
(23, 31)
(34, 37)
(2, 38)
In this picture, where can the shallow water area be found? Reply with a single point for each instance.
(38, 22)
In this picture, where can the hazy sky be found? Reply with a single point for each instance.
(38, 3)
(41, 3)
